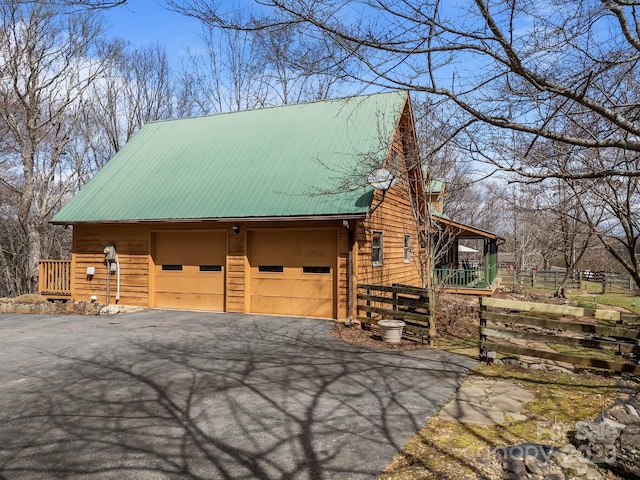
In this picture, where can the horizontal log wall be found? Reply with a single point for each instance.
(392, 214)
(133, 247)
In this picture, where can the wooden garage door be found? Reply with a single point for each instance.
(293, 272)
(189, 270)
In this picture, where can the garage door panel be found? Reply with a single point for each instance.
(190, 270)
(293, 290)
(300, 288)
(189, 301)
(202, 248)
(304, 307)
(186, 282)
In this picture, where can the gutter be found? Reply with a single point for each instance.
(347, 217)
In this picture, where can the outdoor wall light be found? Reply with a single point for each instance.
(236, 229)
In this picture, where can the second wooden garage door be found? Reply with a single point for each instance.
(189, 271)
(293, 272)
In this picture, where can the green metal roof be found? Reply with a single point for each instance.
(274, 162)
(437, 185)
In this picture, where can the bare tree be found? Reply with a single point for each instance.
(562, 230)
(611, 209)
(225, 76)
(47, 64)
(74, 6)
(527, 66)
(136, 88)
(240, 70)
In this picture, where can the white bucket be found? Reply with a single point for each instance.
(391, 330)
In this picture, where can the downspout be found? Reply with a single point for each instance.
(117, 279)
(108, 281)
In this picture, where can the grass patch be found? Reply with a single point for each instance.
(602, 354)
(621, 300)
(467, 345)
(450, 450)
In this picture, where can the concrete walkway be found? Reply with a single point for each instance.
(485, 401)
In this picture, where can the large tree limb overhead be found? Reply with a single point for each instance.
(564, 72)
(83, 4)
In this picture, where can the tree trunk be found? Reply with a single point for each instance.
(34, 249)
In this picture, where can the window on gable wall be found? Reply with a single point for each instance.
(376, 248)
(407, 248)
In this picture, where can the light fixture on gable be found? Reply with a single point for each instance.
(381, 179)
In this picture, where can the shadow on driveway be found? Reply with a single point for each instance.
(160, 394)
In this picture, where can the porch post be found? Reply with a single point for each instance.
(485, 260)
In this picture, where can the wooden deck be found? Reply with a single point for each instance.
(466, 281)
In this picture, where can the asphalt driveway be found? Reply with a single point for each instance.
(184, 395)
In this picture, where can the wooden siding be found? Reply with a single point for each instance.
(393, 216)
(394, 219)
(134, 245)
(342, 293)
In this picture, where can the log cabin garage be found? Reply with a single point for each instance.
(270, 211)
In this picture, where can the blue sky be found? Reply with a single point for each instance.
(145, 22)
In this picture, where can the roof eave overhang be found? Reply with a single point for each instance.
(469, 229)
(292, 218)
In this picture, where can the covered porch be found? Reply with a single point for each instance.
(468, 259)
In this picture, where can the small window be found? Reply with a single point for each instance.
(172, 268)
(271, 268)
(316, 269)
(210, 268)
(376, 248)
(407, 248)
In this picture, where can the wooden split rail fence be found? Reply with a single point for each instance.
(591, 338)
(399, 302)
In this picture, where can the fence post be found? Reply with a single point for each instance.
(41, 277)
(394, 297)
(368, 315)
(604, 283)
(482, 349)
(432, 317)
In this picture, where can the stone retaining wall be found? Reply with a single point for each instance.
(52, 308)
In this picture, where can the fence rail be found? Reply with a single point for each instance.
(594, 338)
(602, 282)
(54, 280)
(410, 304)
